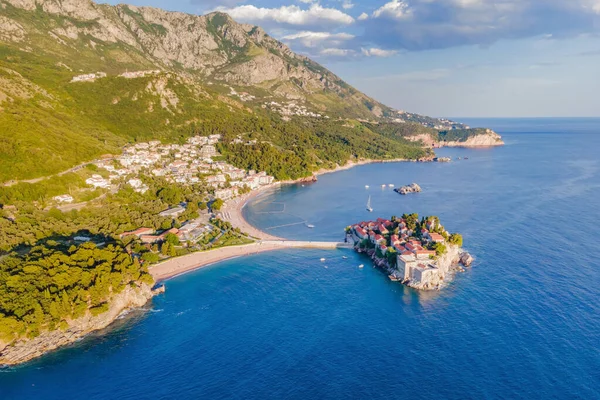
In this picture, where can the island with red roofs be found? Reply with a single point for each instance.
(420, 253)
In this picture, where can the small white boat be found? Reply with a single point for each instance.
(366, 186)
(344, 257)
(391, 185)
(361, 266)
(369, 208)
(322, 260)
(383, 186)
(310, 226)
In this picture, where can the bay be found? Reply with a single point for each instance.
(523, 322)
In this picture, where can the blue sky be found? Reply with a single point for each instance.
(479, 58)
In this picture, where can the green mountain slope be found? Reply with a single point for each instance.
(167, 75)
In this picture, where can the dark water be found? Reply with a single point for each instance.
(524, 322)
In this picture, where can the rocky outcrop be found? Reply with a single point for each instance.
(447, 264)
(487, 139)
(466, 259)
(25, 350)
(476, 138)
(412, 188)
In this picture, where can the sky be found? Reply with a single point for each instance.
(445, 58)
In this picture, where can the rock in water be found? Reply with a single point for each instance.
(466, 259)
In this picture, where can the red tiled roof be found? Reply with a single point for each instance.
(436, 236)
(138, 232)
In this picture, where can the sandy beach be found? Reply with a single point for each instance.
(232, 212)
(179, 265)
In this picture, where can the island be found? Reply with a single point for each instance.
(412, 188)
(418, 253)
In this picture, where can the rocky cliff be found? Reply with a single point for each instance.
(25, 350)
(447, 264)
(489, 138)
(467, 138)
(209, 47)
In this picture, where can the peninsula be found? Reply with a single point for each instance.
(419, 253)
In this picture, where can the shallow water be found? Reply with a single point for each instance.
(522, 323)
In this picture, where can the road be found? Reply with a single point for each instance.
(35, 180)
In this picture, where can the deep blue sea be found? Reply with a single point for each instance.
(523, 322)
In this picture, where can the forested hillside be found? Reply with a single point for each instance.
(79, 80)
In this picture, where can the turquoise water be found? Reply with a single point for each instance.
(524, 322)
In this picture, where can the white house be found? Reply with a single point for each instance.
(63, 198)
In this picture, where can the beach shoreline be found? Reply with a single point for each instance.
(232, 212)
(180, 265)
(232, 209)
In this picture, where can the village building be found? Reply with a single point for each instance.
(172, 212)
(208, 151)
(63, 198)
(98, 181)
(138, 232)
(150, 239)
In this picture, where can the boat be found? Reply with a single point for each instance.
(344, 257)
(393, 278)
(361, 265)
(322, 260)
(366, 186)
(391, 185)
(369, 208)
(310, 226)
(383, 186)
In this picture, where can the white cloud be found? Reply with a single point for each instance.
(363, 16)
(375, 52)
(395, 9)
(347, 4)
(433, 24)
(335, 52)
(315, 39)
(292, 16)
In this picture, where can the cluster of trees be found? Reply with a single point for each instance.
(55, 282)
(230, 236)
(125, 210)
(31, 224)
(294, 149)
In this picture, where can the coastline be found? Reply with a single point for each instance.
(232, 212)
(180, 265)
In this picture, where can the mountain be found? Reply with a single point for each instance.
(80, 79)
